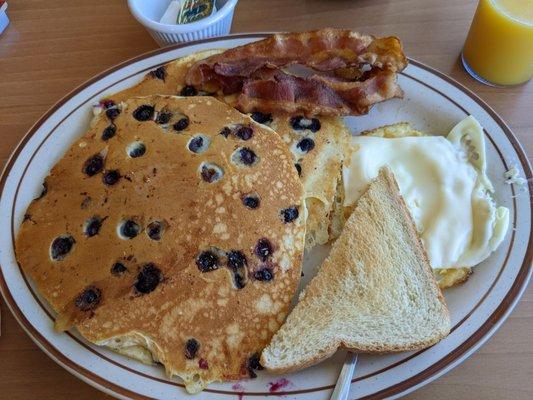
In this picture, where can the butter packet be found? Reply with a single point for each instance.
(194, 10)
(186, 11)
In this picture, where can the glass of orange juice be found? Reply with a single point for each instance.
(499, 48)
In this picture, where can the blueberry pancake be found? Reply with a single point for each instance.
(315, 143)
(172, 231)
(317, 147)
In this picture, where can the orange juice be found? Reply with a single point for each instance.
(499, 46)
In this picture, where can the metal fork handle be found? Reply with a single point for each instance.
(342, 388)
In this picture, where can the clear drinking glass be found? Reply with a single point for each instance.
(499, 47)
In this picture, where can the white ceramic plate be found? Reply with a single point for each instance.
(432, 103)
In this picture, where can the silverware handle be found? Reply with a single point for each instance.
(342, 388)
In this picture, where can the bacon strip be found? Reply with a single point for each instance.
(253, 71)
(316, 95)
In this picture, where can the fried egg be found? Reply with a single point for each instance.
(444, 184)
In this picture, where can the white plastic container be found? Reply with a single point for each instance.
(148, 14)
(4, 20)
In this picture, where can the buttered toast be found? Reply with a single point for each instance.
(374, 293)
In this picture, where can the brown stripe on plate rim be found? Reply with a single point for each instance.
(505, 304)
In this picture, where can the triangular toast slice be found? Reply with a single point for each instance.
(375, 292)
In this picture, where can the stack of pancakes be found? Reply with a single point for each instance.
(317, 144)
(174, 229)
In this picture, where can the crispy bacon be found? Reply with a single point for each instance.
(358, 71)
(316, 95)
